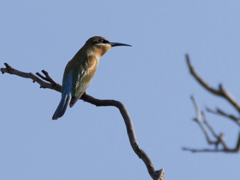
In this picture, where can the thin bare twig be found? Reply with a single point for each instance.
(208, 125)
(234, 150)
(51, 84)
(220, 92)
(222, 113)
(42, 83)
(198, 120)
(219, 139)
(47, 77)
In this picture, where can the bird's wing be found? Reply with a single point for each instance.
(83, 77)
(82, 73)
(78, 83)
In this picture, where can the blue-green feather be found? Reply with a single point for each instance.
(66, 98)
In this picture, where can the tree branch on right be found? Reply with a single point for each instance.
(202, 120)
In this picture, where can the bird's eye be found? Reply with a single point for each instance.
(100, 41)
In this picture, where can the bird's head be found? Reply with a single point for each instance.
(101, 45)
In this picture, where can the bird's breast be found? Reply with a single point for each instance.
(91, 66)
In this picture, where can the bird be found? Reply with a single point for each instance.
(80, 70)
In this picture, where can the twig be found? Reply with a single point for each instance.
(42, 83)
(208, 125)
(156, 175)
(198, 120)
(220, 92)
(235, 150)
(47, 77)
(230, 116)
(219, 139)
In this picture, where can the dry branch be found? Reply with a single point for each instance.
(49, 83)
(222, 113)
(219, 138)
(220, 92)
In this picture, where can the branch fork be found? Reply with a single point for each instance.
(219, 138)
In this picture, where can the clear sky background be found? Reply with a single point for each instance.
(151, 78)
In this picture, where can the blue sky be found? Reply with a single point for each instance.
(151, 79)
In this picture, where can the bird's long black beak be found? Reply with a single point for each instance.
(113, 44)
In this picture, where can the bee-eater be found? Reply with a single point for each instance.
(80, 71)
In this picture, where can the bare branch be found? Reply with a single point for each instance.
(208, 125)
(133, 141)
(235, 150)
(197, 110)
(156, 175)
(204, 150)
(220, 112)
(42, 83)
(198, 120)
(219, 139)
(220, 92)
(47, 77)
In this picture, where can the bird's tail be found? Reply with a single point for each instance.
(62, 106)
(66, 98)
